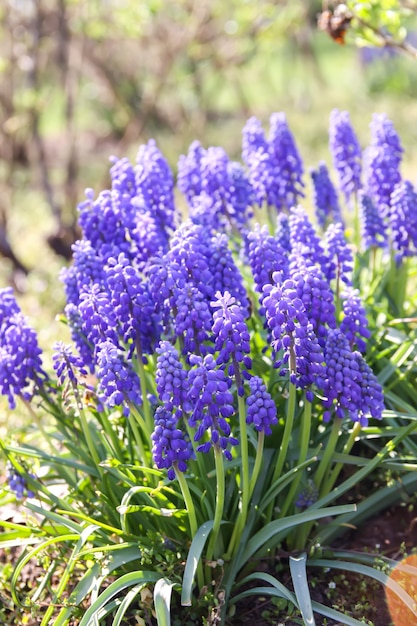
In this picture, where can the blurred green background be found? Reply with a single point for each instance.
(85, 79)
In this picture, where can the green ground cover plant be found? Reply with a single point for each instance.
(232, 378)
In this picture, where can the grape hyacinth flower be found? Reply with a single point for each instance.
(171, 377)
(123, 177)
(266, 256)
(346, 152)
(155, 185)
(97, 315)
(231, 336)
(106, 222)
(189, 172)
(206, 211)
(259, 161)
(132, 305)
(66, 364)
(118, 382)
(382, 163)
(261, 409)
(75, 323)
(293, 333)
(282, 232)
(18, 483)
(212, 405)
(308, 496)
(354, 324)
(8, 306)
(287, 161)
(314, 291)
(403, 220)
(192, 319)
(239, 196)
(303, 232)
(373, 229)
(350, 387)
(171, 446)
(21, 373)
(225, 274)
(325, 198)
(339, 257)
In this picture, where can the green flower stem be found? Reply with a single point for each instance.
(289, 422)
(326, 459)
(244, 477)
(258, 462)
(189, 505)
(133, 423)
(112, 435)
(144, 390)
(328, 485)
(90, 443)
(305, 430)
(220, 493)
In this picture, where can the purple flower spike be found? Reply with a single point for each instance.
(66, 364)
(189, 172)
(155, 185)
(225, 273)
(372, 225)
(266, 256)
(212, 405)
(21, 372)
(232, 340)
(325, 198)
(382, 163)
(193, 319)
(259, 161)
(403, 220)
(315, 293)
(351, 387)
(339, 256)
(118, 382)
(346, 152)
(171, 446)
(354, 324)
(171, 378)
(132, 305)
(287, 161)
(292, 332)
(303, 232)
(18, 483)
(261, 409)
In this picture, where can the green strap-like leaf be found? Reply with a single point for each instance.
(162, 601)
(277, 526)
(301, 588)
(194, 555)
(119, 585)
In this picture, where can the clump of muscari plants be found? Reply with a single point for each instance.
(225, 370)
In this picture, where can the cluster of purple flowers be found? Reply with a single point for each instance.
(18, 483)
(274, 164)
(21, 372)
(143, 282)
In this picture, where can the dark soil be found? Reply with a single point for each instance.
(392, 533)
